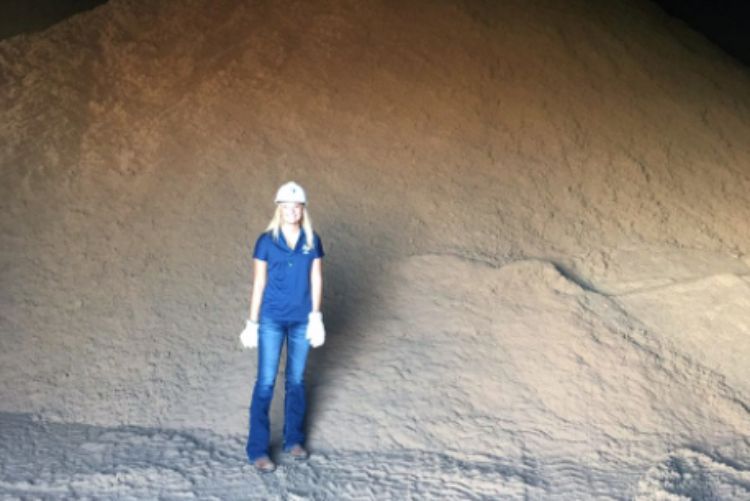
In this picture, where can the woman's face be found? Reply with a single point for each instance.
(291, 212)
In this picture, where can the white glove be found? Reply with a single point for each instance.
(249, 336)
(316, 333)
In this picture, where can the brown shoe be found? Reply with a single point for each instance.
(264, 464)
(298, 452)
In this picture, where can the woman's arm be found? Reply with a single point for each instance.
(259, 284)
(316, 283)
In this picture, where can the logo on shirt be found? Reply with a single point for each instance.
(306, 249)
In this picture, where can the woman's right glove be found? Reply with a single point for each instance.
(249, 336)
(316, 333)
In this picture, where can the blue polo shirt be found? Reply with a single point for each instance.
(287, 294)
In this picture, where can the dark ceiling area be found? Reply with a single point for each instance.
(725, 22)
(24, 16)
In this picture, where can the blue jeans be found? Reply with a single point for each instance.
(271, 336)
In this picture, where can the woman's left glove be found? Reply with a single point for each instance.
(316, 332)
(249, 336)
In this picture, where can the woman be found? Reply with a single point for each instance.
(285, 305)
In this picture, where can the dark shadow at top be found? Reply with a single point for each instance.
(23, 16)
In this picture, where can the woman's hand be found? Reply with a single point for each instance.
(249, 336)
(316, 332)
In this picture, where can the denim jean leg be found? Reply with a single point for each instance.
(270, 340)
(295, 404)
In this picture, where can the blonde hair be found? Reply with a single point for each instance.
(274, 227)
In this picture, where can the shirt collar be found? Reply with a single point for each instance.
(300, 240)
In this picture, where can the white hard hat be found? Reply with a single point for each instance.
(291, 192)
